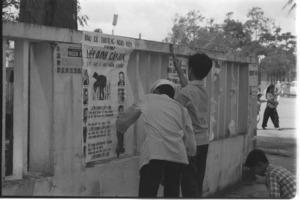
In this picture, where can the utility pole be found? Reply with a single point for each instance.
(115, 21)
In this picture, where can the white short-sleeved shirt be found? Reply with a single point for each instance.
(168, 129)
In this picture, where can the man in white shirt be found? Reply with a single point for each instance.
(169, 139)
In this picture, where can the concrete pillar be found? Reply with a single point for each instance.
(41, 108)
(20, 110)
(3, 105)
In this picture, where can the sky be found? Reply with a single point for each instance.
(154, 18)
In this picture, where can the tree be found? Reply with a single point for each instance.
(235, 32)
(279, 63)
(185, 28)
(257, 24)
(49, 12)
(257, 36)
(289, 43)
(291, 4)
(82, 19)
(196, 30)
(45, 12)
(7, 10)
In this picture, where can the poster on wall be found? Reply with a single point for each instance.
(68, 59)
(253, 80)
(105, 59)
(172, 73)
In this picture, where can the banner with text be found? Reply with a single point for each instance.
(105, 59)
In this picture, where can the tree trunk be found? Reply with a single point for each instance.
(59, 13)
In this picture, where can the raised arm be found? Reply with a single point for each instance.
(183, 80)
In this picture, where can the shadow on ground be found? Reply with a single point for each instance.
(279, 146)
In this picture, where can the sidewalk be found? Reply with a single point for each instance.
(280, 147)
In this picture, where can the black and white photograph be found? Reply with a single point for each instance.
(190, 99)
(121, 81)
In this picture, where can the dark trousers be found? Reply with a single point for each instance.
(193, 174)
(151, 175)
(271, 112)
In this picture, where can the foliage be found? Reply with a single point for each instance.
(257, 24)
(278, 62)
(291, 4)
(257, 36)
(82, 19)
(10, 12)
(8, 7)
(197, 30)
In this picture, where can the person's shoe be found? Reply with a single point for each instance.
(264, 128)
(278, 128)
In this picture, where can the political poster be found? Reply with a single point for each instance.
(68, 59)
(105, 59)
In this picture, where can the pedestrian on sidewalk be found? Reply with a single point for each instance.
(280, 182)
(259, 101)
(195, 98)
(169, 139)
(271, 111)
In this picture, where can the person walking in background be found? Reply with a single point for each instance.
(195, 98)
(169, 139)
(279, 181)
(271, 110)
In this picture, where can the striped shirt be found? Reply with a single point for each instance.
(280, 182)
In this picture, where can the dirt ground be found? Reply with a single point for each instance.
(280, 147)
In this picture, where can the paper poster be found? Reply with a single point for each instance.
(253, 75)
(68, 59)
(172, 73)
(105, 59)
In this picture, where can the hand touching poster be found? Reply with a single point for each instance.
(105, 59)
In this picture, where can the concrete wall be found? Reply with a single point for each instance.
(41, 108)
(56, 114)
(224, 163)
(119, 178)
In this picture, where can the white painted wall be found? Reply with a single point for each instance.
(62, 125)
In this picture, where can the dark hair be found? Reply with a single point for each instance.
(200, 65)
(255, 156)
(166, 89)
(121, 73)
(269, 89)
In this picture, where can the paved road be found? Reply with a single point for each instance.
(280, 146)
(287, 115)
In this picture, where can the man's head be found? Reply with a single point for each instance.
(257, 161)
(163, 86)
(121, 109)
(199, 66)
(121, 76)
